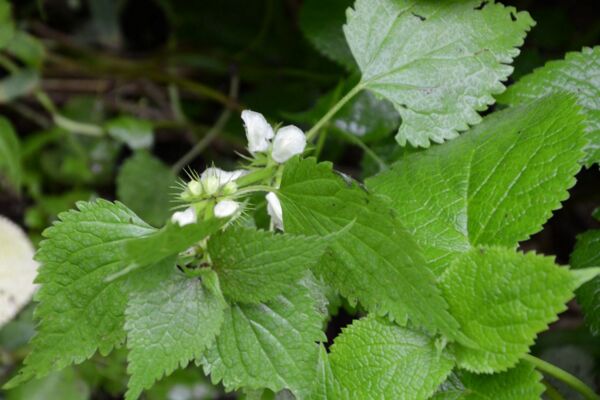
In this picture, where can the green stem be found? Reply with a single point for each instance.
(366, 149)
(551, 392)
(314, 131)
(552, 370)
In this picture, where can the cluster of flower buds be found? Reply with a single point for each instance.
(216, 191)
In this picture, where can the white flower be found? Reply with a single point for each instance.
(185, 217)
(213, 179)
(226, 208)
(258, 131)
(274, 210)
(289, 141)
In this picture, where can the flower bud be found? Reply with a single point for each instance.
(186, 217)
(229, 188)
(258, 131)
(289, 141)
(210, 185)
(226, 208)
(274, 210)
(194, 187)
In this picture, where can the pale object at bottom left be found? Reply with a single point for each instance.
(17, 270)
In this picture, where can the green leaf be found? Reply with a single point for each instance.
(6, 23)
(496, 185)
(519, 383)
(587, 254)
(169, 240)
(376, 262)
(18, 84)
(62, 385)
(171, 320)
(502, 299)
(136, 133)
(10, 155)
(145, 184)
(78, 311)
(27, 49)
(321, 23)
(326, 385)
(269, 345)
(376, 359)
(437, 62)
(255, 266)
(577, 74)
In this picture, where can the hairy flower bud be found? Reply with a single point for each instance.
(289, 141)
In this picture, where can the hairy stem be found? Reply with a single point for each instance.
(562, 375)
(314, 131)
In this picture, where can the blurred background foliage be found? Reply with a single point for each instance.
(112, 98)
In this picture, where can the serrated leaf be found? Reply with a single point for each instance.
(255, 266)
(10, 155)
(78, 311)
(496, 185)
(376, 359)
(145, 184)
(578, 74)
(519, 383)
(437, 62)
(502, 299)
(326, 386)
(170, 320)
(268, 345)
(321, 23)
(377, 262)
(587, 254)
(136, 133)
(169, 240)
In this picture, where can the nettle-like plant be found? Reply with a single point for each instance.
(427, 248)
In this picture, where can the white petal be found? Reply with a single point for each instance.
(258, 131)
(17, 270)
(221, 177)
(186, 217)
(289, 141)
(226, 208)
(274, 210)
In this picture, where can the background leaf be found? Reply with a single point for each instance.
(146, 184)
(10, 155)
(437, 62)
